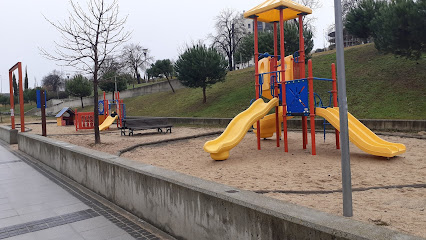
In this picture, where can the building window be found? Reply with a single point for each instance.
(249, 26)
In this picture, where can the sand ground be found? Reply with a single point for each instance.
(274, 172)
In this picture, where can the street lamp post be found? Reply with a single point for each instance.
(115, 82)
(68, 79)
(343, 112)
(145, 51)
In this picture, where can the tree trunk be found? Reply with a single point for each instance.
(170, 84)
(95, 108)
(138, 77)
(204, 95)
(230, 62)
(81, 98)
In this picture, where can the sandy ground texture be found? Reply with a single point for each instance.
(296, 176)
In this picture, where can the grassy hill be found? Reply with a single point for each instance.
(378, 86)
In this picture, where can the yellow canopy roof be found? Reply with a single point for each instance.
(268, 11)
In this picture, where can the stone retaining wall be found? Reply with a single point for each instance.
(191, 208)
(8, 134)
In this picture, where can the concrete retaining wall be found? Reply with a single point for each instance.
(8, 134)
(191, 208)
(373, 124)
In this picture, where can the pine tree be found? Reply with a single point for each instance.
(399, 28)
(26, 79)
(15, 85)
(201, 67)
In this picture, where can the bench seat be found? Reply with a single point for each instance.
(145, 124)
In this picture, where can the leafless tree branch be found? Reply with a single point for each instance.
(89, 36)
(229, 32)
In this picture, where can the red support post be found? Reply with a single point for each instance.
(282, 72)
(311, 105)
(256, 74)
(302, 75)
(275, 62)
(12, 101)
(21, 97)
(335, 104)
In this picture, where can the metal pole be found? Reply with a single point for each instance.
(343, 112)
(21, 97)
(43, 113)
(302, 75)
(311, 105)
(335, 103)
(256, 74)
(282, 72)
(276, 95)
(115, 79)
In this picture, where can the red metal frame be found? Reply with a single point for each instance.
(274, 68)
(302, 75)
(335, 104)
(256, 74)
(311, 105)
(283, 97)
(21, 96)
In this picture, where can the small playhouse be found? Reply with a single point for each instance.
(65, 117)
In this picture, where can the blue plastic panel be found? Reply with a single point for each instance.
(39, 98)
(101, 107)
(297, 98)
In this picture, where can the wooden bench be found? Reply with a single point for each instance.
(144, 124)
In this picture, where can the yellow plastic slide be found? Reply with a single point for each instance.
(108, 121)
(267, 124)
(361, 136)
(236, 130)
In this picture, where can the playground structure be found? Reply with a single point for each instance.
(85, 120)
(65, 117)
(292, 94)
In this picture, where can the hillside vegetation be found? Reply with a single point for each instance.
(378, 86)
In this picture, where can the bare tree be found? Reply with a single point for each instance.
(348, 5)
(111, 64)
(53, 81)
(89, 36)
(308, 20)
(312, 4)
(229, 32)
(136, 57)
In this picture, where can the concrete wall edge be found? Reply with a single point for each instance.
(341, 227)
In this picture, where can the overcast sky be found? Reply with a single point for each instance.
(164, 27)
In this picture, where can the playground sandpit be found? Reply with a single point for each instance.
(390, 193)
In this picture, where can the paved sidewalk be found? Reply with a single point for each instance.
(35, 204)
